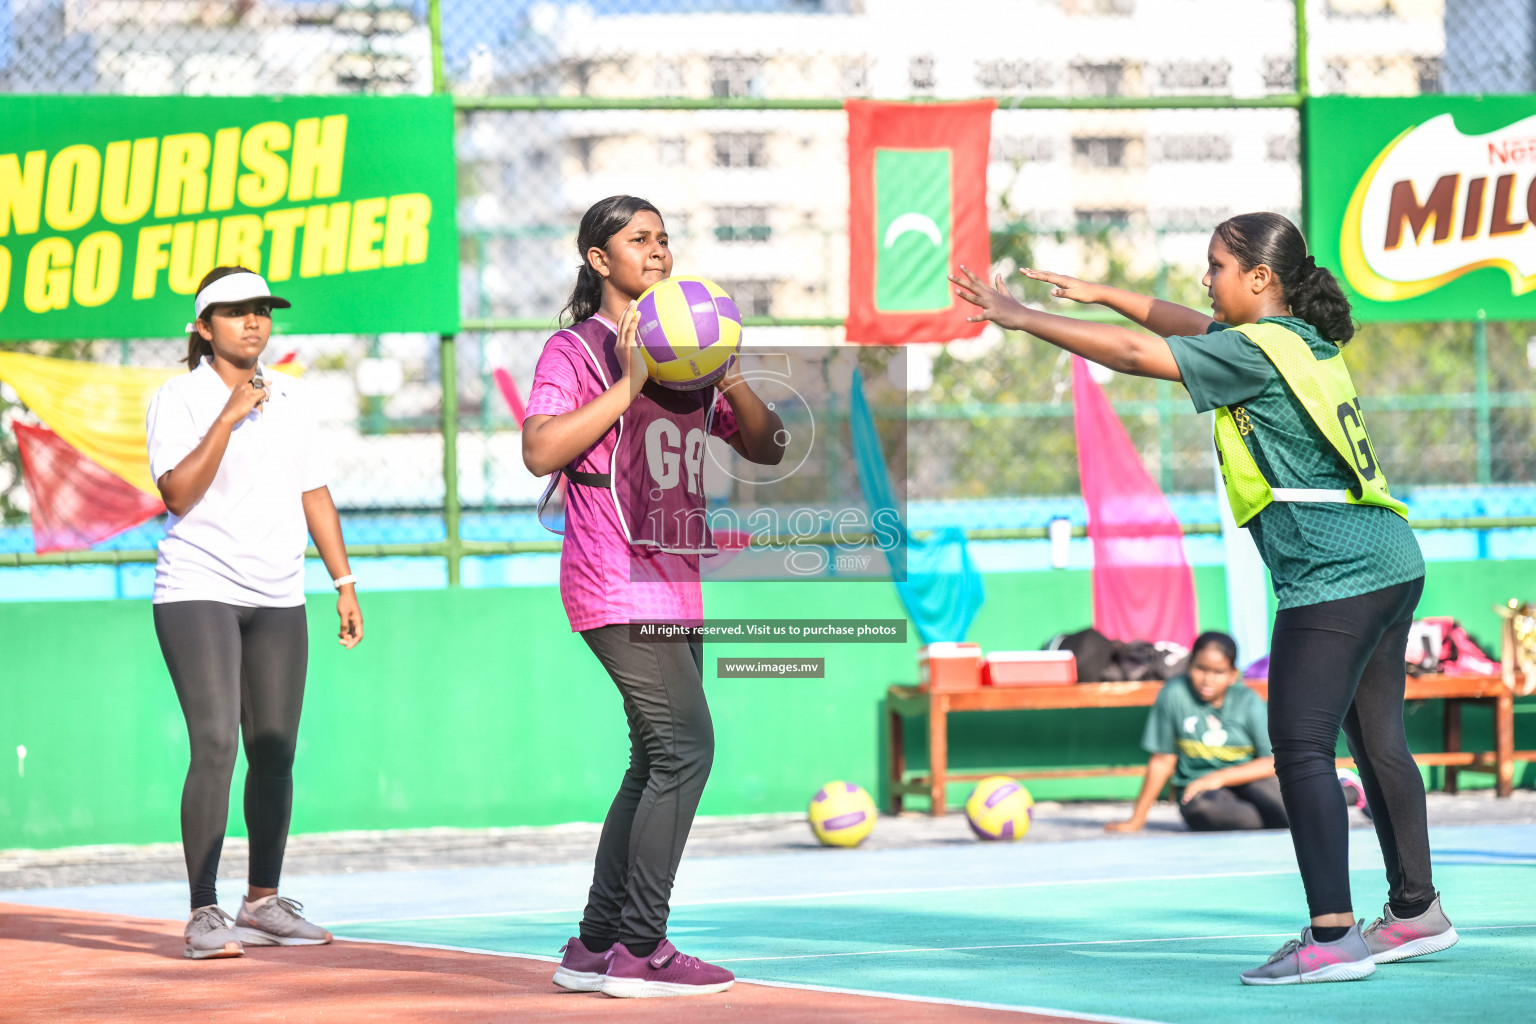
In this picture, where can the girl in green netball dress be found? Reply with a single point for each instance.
(1302, 476)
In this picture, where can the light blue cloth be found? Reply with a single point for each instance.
(942, 591)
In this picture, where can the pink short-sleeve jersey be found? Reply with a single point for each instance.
(597, 565)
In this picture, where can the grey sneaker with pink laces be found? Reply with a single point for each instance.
(665, 972)
(1394, 938)
(1305, 960)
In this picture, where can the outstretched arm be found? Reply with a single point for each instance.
(1159, 316)
(1115, 347)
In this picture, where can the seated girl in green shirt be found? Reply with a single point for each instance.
(1207, 733)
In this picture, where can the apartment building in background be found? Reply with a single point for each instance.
(758, 199)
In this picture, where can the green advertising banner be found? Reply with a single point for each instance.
(112, 208)
(1423, 206)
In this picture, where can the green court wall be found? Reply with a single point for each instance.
(474, 708)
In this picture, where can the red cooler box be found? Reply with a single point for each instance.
(1029, 668)
(946, 666)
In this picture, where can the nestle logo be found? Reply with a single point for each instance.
(1518, 151)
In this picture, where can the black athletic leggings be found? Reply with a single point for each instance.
(1340, 663)
(239, 674)
(671, 749)
(1256, 804)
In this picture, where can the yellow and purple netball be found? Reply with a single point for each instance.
(689, 329)
(1000, 808)
(842, 814)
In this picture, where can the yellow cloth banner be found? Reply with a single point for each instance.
(98, 408)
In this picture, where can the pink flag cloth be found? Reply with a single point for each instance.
(75, 503)
(508, 388)
(1142, 586)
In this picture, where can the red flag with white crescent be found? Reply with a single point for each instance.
(917, 210)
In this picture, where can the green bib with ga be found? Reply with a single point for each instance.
(1325, 390)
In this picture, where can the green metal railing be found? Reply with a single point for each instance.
(459, 549)
(1288, 100)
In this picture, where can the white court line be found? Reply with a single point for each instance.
(1010, 1008)
(1010, 945)
(1046, 945)
(870, 993)
(843, 894)
(452, 949)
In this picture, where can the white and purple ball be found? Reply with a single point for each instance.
(689, 330)
(842, 814)
(1000, 808)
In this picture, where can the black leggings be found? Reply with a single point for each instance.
(239, 673)
(1340, 663)
(671, 749)
(1256, 804)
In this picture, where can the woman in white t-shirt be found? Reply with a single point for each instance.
(234, 452)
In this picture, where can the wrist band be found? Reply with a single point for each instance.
(343, 581)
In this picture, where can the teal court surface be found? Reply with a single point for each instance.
(1148, 929)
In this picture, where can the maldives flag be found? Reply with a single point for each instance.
(917, 210)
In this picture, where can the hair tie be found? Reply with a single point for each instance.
(1309, 263)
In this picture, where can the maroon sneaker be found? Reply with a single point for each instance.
(665, 973)
(582, 970)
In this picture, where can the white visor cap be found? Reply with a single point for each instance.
(236, 288)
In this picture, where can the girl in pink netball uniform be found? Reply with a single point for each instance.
(590, 413)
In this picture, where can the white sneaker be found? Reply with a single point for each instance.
(209, 936)
(276, 921)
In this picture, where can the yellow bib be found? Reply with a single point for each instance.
(1325, 390)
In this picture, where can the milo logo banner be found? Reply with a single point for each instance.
(1424, 206)
(113, 208)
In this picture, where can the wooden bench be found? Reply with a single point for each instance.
(903, 702)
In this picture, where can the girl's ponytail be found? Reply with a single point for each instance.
(1311, 291)
(1315, 296)
(604, 219)
(586, 298)
(198, 347)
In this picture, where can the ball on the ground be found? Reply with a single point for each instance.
(1354, 790)
(689, 330)
(1000, 808)
(842, 814)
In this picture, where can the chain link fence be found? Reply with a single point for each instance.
(766, 49)
(1126, 130)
